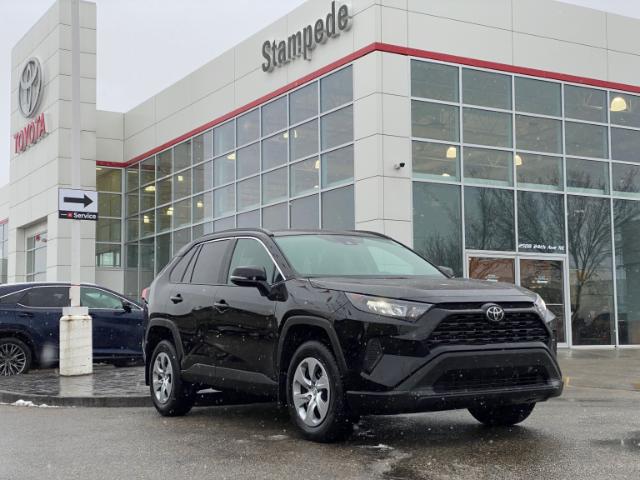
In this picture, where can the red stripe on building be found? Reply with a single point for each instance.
(387, 48)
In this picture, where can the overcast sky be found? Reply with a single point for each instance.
(146, 45)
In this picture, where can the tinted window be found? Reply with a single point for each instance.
(177, 274)
(251, 253)
(51, 297)
(12, 298)
(95, 298)
(207, 267)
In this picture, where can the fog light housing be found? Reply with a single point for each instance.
(372, 355)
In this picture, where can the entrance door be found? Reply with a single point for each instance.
(544, 276)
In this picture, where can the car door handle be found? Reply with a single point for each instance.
(26, 314)
(221, 306)
(176, 299)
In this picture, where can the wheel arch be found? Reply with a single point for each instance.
(297, 330)
(160, 329)
(26, 338)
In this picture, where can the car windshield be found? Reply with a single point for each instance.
(351, 255)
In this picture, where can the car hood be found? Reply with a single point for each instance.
(427, 289)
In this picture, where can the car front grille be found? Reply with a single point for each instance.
(490, 378)
(473, 328)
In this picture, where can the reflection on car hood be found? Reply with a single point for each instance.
(427, 289)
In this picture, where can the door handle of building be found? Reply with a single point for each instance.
(176, 298)
(221, 306)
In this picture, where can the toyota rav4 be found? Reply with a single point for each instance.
(338, 324)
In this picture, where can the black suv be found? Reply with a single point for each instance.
(338, 324)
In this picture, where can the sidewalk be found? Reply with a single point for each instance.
(609, 369)
(106, 387)
(124, 387)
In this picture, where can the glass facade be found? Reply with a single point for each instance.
(4, 251)
(287, 163)
(534, 182)
(36, 253)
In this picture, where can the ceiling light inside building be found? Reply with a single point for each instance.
(518, 160)
(231, 156)
(150, 188)
(446, 175)
(180, 178)
(200, 204)
(618, 104)
(452, 152)
(317, 165)
(146, 219)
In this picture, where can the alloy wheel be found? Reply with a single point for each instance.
(13, 359)
(162, 377)
(311, 391)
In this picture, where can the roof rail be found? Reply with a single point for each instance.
(249, 229)
(369, 232)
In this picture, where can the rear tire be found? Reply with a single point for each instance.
(315, 394)
(15, 357)
(171, 396)
(502, 415)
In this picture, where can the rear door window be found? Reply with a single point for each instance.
(208, 265)
(178, 272)
(12, 298)
(46, 297)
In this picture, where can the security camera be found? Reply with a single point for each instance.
(400, 165)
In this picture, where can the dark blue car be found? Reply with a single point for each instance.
(30, 319)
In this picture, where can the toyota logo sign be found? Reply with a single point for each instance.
(494, 313)
(30, 87)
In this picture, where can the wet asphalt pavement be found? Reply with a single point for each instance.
(588, 433)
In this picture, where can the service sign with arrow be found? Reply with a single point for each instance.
(77, 204)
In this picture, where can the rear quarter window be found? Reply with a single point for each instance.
(208, 265)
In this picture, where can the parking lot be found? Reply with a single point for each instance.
(591, 432)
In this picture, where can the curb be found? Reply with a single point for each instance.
(86, 402)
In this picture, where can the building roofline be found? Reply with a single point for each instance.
(385, 48)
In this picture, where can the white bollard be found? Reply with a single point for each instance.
(76, 342)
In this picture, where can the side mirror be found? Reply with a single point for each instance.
(448, 271)
(251, 277)
(126, 306)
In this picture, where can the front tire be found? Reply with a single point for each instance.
(15, 357)
(503, 415)
(315, 394)
(171, 396)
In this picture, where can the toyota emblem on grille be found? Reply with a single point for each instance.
(494, 313)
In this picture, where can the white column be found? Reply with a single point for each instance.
(76, 329)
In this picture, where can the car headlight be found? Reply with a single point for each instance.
(541, 307)
(387, 307)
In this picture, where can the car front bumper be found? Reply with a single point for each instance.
(455, 379)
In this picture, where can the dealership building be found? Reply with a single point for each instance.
(500, 138)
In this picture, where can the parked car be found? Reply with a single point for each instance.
(30, 318)
(339, 324)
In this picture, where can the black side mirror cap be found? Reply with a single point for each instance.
(126, 306)
(248, 276)
(448, 271)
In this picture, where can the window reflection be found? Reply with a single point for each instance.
(541, 222)
(591, 276)
(437, 225)
(489, 219)
(627, 232)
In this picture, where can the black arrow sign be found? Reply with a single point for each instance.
(86, 201)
